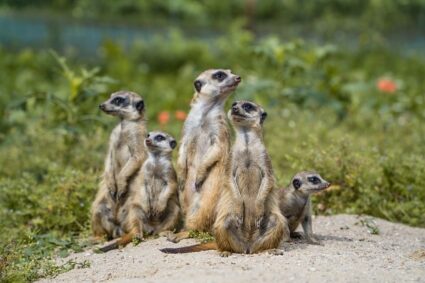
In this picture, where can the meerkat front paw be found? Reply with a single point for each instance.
(314, 241)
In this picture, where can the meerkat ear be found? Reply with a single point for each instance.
(140, 105)
(173, 144)
(198, 85)
(263, 117)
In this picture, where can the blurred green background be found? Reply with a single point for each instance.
(342, 81)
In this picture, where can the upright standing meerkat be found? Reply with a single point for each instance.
(295, 202)
(152, 206)
(125, 156)
(248, 219)
(204, 150)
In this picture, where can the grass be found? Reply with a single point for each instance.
(326, 110)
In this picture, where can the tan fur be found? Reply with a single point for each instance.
(125, 156)
(295, 203)
(154, 203)
(152, 206)
(249, 219)
(203, 153)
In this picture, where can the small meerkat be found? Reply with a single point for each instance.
(155, 200)
(204, 150)
(295, 202)
(125, 156)
(248, 215)
(152, 206)
(249, 219)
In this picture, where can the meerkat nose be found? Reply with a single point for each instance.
(238, 79)
(101, 106)
(235, 109)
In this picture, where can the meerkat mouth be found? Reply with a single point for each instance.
(231, 87)
(321, 188)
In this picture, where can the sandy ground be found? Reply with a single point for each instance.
(349, 254)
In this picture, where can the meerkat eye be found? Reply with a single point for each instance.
(296, 183)
(234, 104)
(159, 138)
(314, 180)
(248, 107)
(219, 76)
(117, 101)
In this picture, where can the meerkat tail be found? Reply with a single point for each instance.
(116, 243)
(191, 249)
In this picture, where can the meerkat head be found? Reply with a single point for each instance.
(160, 142)
(246, 114)
(125, 104)
(216, 83)
(308, 182)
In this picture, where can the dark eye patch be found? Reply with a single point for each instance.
(159, 138)
(219, 76)
(314, 180)
(248, 107)
(118, 100)
(296, 183)
(234, 104)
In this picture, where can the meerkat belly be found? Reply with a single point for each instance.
(156, 187)
(248, 179)
(122, 155)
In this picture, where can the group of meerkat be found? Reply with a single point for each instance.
(229, 191)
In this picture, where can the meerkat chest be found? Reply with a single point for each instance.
(155, 177)
(202, 131)
(248, 171)
(293, 208)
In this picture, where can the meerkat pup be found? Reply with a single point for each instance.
(152, 206)
(154, 202)
(295, 202)
(125, 156)
(249, 219)
(204, 150)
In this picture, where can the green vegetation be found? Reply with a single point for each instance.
(355, 116)
(322, 15)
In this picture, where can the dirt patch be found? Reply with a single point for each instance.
(350, 253)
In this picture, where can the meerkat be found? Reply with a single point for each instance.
(248, 219)
(295, 203)
(204, 150)
(152, 206)
(125, 156)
